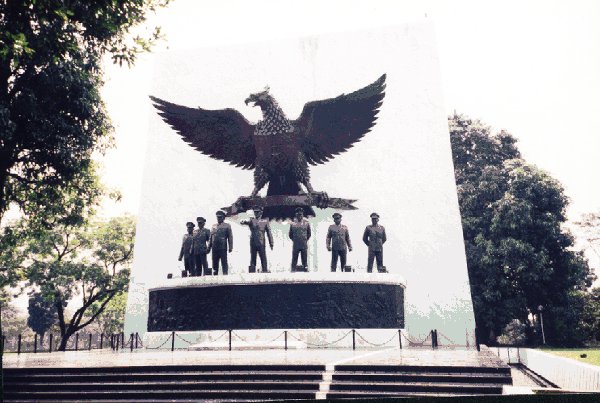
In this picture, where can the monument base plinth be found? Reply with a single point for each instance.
(284, 301)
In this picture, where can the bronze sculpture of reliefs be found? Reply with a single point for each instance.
(338, 242)
(299, 234)
(277, 148)
(258, 228)
(374, 237)
(221, 243)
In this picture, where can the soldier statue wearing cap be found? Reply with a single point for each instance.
(221, 241)
(199, 247)
(299, 234)
(374, 237)
(338, 242)
(186, 249)
(258, 227)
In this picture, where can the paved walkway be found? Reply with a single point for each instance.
(390, 356)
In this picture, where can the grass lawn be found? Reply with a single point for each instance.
(593, 354)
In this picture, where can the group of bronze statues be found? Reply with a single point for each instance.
(198, 243)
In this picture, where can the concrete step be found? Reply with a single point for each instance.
(504, 369)
(168, 368)
(367, 376)
(166, 376)
(153, 395)
(162, 385)
(430, 387)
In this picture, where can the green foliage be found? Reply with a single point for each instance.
(13, 321)
(514, 334)
(518, 255)
(52, 118)
(589, 324)
(112, 319)
(588, 229)
(81, 258)
(42, 314)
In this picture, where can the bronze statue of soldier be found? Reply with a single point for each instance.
(374, 237)
(300, 234)
(258, 227)
(200, 249)
(338, 242)
(186, 250)
(221, 242)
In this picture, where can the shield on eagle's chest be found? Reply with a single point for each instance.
(277, 152)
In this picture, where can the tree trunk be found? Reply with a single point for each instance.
(64, 340)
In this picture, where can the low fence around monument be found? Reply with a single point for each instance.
(227, 339)
(34, 343)
(289, 339)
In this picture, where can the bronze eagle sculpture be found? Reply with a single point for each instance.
(277, 148)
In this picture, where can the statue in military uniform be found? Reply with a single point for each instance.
(221, 242)
(299, 234)
(199, 247)
(186, 249)
(374, 237)
(258, 227)
(338, 242)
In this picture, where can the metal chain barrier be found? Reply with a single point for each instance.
(139, 340)
(450, 343)
(416, 343)
(375, 344)
(165, 342)
(280, 334)
(320, 345)
(184, 340)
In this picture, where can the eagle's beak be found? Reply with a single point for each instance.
(248, 100)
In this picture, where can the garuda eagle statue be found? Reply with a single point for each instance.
(277, 148)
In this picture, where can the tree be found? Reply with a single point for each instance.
(77, 258)
(112, 319)
(52, 118)
(590, 316)
(589, 229)
(518, 255)
(42, 314)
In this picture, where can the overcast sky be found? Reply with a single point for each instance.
(529, 67)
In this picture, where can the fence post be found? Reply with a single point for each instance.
(230, 339)
(432, 338)
(90, 342)
(131, 347)
(101, 340)
(19, 344)
(122, 339)
(76, 341)
(117, 341)
(137, 336)
(50, 343)
(400, 338)
(353, 339)
(35, 343)
(173, 341)
(285, 334)
(477, 340)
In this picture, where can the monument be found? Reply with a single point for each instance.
(402, 169)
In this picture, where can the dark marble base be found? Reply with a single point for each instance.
(313, 305)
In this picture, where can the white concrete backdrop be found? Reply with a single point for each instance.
(402, 169)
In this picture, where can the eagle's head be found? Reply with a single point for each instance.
(262, 99)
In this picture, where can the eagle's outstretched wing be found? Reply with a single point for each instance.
(223, 134)
(331, 126)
